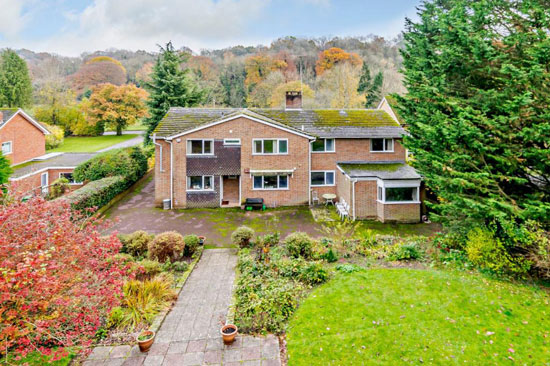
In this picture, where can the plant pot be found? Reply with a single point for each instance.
(229, 332)
(202, 239)
(145, 343)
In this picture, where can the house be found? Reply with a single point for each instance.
(22, 138)
(219, 157)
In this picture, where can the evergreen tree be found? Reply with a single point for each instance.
(15, 82)
(478, 109)
(5, 169)
(370, 87)
(171, 86)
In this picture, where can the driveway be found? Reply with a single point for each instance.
(138, 212)
(128, 143)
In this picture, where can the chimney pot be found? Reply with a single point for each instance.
(293, 100)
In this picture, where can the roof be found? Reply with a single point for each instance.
(379, 169)
(66, 160)
(392, 103)
(324, 123)
(8, 113)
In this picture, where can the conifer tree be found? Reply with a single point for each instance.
(15, 82)
(5, 169)
(171, 86)
(370, 87)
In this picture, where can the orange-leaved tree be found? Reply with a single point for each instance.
(334, 56)
(116, 106)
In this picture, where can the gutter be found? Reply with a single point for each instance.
(353, 196)
(171, 174)
(309, 193)
(160, 146)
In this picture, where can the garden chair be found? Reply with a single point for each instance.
(343, 208)
(314, 197)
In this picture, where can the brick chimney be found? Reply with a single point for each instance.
(293, 100)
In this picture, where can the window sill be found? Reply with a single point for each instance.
(399, 202)
(383, 152)
(200, 190)
(278, 154)
(322, 185)
(270, 189)
(323, 152)
(201, 155)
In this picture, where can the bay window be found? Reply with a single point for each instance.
(200, 183)
(270, 146)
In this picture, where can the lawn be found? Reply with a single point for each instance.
(413, 317)
(90, 144)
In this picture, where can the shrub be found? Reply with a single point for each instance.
(313, 273)
(406, 251)
(96, 194)
(57, 273)
(191, 244)
(539, 250)
(166, 246)
(330, 256)
(58, 188)
(136, 243)
(242, 236)
(348, 268)
(55, 138)
(180, 266)
(299, 245)
(151, 268)
(130, 163)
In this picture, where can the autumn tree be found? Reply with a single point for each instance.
(15, 82)
(278, 97)
(338, 87)
(335, 56)
(171, 86)
(96, 71)
(259, 66)
(232, 79)
(116, 106)
(262, 93)
(143, 75)
(370, 87)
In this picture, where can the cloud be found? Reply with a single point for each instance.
(142, 24)
(12, 17)
(323, 3)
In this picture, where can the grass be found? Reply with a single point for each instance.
(90, 144)
(136, 127)
(36, 358)
(413, 317)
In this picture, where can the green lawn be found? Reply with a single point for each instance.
(414, 317)
(136, 127)
(90, 144)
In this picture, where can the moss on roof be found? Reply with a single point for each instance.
(369, 118)
(388, 167)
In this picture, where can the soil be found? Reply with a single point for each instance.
(229, 330)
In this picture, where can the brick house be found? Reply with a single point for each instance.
(219, 157)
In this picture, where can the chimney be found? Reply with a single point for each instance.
(293, 100)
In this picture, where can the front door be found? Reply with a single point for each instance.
(230, 192)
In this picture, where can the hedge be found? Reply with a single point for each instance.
(97, 193)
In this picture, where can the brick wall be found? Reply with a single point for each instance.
(162, 176)
(28, 142)
(343, 188)
(33, 182)
(408, 213)
(365, 199)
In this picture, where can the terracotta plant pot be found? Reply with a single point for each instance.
(229, 332)
(202, 239)
(145, 340)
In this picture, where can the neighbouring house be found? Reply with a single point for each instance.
(293, 156)
(22, 138)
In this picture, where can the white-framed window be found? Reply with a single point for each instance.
(69, 177)
(322, 178)
(270, 146)
(200, 147)
(232, 142)
(6, 148)
(381, 145)
(270, 182)
(323, 145)
(200, 183)
(408, 193)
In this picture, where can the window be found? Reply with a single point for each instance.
(323, 178)
(200, 183)
(381, 145)
(270, 146)
(6, 148)
(232, 142)
(398, 194)
(323, 145)
(271, 182)
(69, 177)
(200, 147)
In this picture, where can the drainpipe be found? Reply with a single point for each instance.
(171, 174)
(353, 196)
(309, 176)
(160, 148)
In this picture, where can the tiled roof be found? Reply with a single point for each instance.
(60, 161)
(354, 123)
(392, 102)
(380, 169)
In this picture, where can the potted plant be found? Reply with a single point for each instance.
(229, 332)
(145, 340)
(202, 239)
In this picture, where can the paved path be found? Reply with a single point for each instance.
(190, 334)
(128, 143)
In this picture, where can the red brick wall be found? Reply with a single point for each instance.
(408, 212)
(28, 141)
(246, 130)
(32, 182)
(343, 188)
(365, 199)
(162, 178)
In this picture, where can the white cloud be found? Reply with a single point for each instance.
(323, 3)
(12, 17)
(142, 24)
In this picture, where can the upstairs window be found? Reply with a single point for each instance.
(322, 178)
(270, 146)
(381, 145)
(200, 147)
(200, 183)
(6, 148)
(323, 145)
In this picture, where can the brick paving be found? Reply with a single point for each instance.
(190, 334)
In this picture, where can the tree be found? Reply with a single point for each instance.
(477, 107)
(60, 276)
(98, 70)
(232, 77)
(55, 138)
(171, 86)
(5, 169)
(15, 82)
(371, 88)
(261, 95)
(338, 87)
(334, 56)
(259, 66)
(116, 106)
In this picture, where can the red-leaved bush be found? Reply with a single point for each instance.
(58, 277)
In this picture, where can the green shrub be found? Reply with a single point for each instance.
(96, 194)
(539, 250)
(136, 243)
(348, 268)
(166, 246)
(151, 268)
(299, 245)
(271, 240)
(180, 266)
(191, 244)
(313, 273)
(242, 236)
(58, 188)
(116, 317)
(406, 251)
(330, 256)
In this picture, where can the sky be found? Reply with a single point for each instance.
(70, 27)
